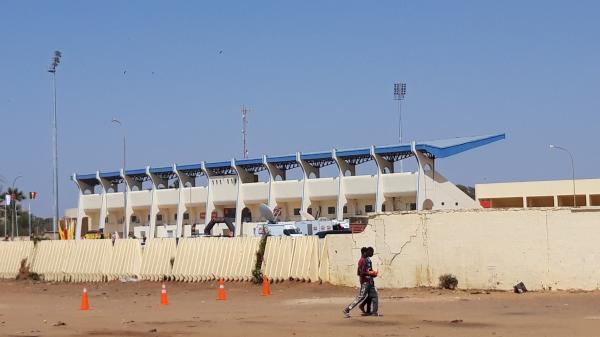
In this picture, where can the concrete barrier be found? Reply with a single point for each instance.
(206, 259)
(51, 258)
(11, 255)
(305, 259)
(292, 258)
(126, 260)
(88, 261)
(156, 259)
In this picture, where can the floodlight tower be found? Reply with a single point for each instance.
(52, 69)
(399, 92)
(245, 130)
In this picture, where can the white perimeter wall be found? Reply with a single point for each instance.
(544, 248)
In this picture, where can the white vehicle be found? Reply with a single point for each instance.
(273, 227)
(278, 229)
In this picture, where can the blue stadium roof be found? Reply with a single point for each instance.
(326, 155)
(434, 149)
(84, 177)
(218, 165)
(110, 175)
(189, 167)
(135, 172)
(164, 169)
(449, 147)
(365, 151)
(281, 159)
(249, 162)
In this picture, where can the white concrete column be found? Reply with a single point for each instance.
(154, 203)
(210, 206)
(79, 208)
(422, 188)
(342, 200)
(103, 209)
(127, 211)
(525, 202)
(243, 178)
(181, 204)
(307, 169)
(382, 164)
(273, 173)
(555, 200)
(588, 200)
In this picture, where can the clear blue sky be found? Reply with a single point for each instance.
(316, 75)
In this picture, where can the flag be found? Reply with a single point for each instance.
(7, 199)
(32, 195)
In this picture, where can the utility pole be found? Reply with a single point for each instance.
(12, 232)
(52, 70)
(245, 130)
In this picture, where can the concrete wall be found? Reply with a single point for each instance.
(544, 248)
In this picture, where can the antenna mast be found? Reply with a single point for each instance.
(245, 130)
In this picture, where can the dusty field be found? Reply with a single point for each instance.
(294, 309)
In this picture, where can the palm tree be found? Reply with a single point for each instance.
(16, 196)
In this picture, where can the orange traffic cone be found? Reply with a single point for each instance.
(221, 296)
(85, 304)
(266, 290)
(163, 296)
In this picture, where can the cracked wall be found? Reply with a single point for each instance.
(490, 249)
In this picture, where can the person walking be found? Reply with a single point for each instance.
(365, 279)
(372, 294)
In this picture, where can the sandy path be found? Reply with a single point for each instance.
(294, 309)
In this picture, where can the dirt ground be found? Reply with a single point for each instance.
(293, 309)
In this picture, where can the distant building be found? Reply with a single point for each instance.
(552, 193)
(167, 201)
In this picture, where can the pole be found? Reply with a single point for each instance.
(5, 220)
(126, 187)
(400, 130)
(55, 163)
(16, 221)
(29, 212)
(13, 220)
(572, 170)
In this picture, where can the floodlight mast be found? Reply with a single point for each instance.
(52, 69)
(399, 93)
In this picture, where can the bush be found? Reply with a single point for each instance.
(448, 281)
(257, 273)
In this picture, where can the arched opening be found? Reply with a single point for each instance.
(278, 177)
(427, 205)
(312, 175)
(347, 173)
(188, 184)
(427, 167)
(387, 170)
(135, 188)
(246, 215)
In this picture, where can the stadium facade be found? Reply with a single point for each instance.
(167, 201)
